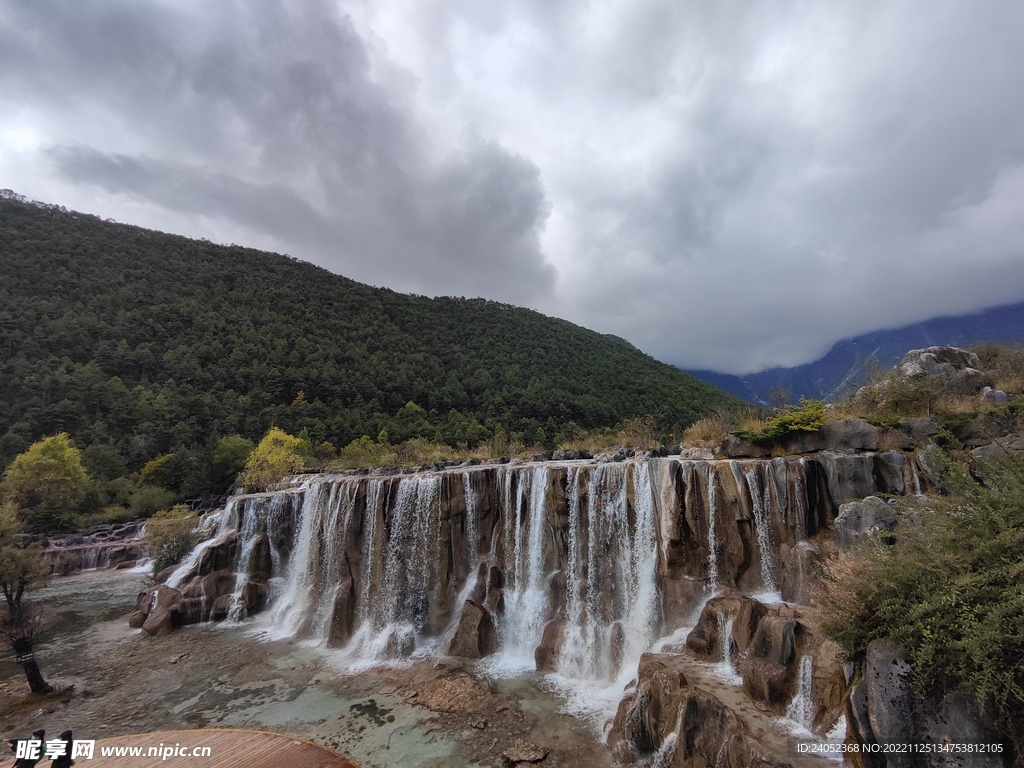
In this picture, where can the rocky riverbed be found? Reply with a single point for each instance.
(425, 713)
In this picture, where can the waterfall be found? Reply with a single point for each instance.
(471, 528)
(799, 498)
(94, 558)
(917, 481)
(801, 708)
(290, 609)
(395, 616)
(261, 514)
(725, 666)
(213, 525)
(762, 525)
(615, 621)
(712, 533)
(526, 599)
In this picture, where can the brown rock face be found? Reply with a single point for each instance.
(522, 751)
(690, 727)
(456, 692)
(475, 636)
(769, 668)
(164, 614)
(254, 596)
(260, 564)
(545, 655)
(343, 617)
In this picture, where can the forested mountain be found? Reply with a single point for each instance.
(151, 343)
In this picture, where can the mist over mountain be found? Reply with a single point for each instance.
(850, 362)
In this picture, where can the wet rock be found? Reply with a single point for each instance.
(343, 614)
(545, 655)
(522, 751)
(260, 564)
(164, 613)
(475, 636)
(401, 644)
(869, 519)
(768, 669)
(618, 645)
(456, 692)
(647, 719)
(254, 596)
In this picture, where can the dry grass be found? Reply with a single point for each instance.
(1009, 382)
(710, 431)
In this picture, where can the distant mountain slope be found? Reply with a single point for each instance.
(155, 343)
(830, 377)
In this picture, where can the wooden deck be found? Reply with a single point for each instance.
(229, 748)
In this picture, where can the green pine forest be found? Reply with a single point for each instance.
(140, 344)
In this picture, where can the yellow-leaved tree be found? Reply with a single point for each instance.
(46, 485)
(277, 455)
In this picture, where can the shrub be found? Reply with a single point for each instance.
(147, 499)
(809, 417)
(949, 591)
(170, 536)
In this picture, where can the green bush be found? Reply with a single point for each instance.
(950, 591)
(808, 417)
(170, 536)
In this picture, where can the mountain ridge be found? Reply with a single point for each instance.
(848, 363)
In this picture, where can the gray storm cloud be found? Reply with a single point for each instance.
(728, 185)
(268, 117)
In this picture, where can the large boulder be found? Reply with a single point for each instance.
(769, 668)
(685, 726)
(546, 654)
(940, 361)
(474, 636)
(869, 519)
(164, 613)
(260, 565)
(957, 719)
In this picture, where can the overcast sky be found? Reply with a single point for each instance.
(728, 185)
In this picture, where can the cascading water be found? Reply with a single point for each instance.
(397, 614)
(712, 479)
(762, 528)
(213, 526)
(725, 666)
(289, 611)
(615, 619)
(588, 560)
(526, 597)
(801, 708)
